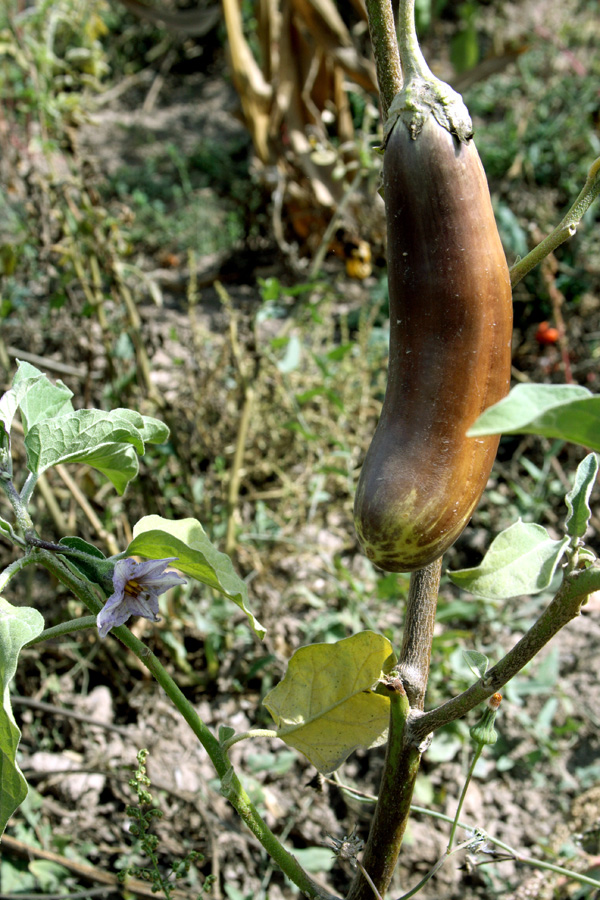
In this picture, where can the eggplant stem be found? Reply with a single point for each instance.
(564, 230)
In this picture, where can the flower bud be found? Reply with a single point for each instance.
(484, 732)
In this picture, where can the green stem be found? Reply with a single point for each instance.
(463, 794)
(526, 860)
(28, 488)
(564, 230)
(472, 829)
(412, 60)
(63, 629)
(243, 736)
(23, 518)
(231, 786)
(11, 570)
(393, 806)
(418, 887)
(385, 50)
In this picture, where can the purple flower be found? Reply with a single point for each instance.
(137, 589)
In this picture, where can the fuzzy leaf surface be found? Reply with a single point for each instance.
(42, 400)
(521, 560)
(578, 498)
(565, 411)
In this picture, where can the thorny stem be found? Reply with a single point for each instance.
(566, 605)
(564, 230)
(231, 787)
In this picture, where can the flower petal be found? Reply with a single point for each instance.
(137, 589)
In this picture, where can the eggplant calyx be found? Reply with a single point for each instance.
(424, 96)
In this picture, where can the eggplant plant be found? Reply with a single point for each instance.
(446, 404)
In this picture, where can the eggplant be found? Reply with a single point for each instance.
(450, 349)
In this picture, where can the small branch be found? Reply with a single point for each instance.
(13, 568)
(419, 622)
(565, 230)
(514, 854)
(565, 606)
(385, 49)
(28, 488)
(64, 628)
(438, 865)
(245, 735)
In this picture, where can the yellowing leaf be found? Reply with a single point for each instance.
(325, 706)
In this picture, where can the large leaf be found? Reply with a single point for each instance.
(325, 706)
(107, 441)
(43, 400)
(568, 412)
(185, 539)
(577, 500)
(521, 560)
(18, 625)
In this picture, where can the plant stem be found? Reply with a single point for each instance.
(28, 488)
(566, 605)
(11, 570)
(518, 857)
(564, 230)
(438, 865)
(419, 622)
(412, 60)
(231, 786)
(385, 49)
(393, 806)
(64, 628)
(23, 518)
(254, 733)
(463, 794)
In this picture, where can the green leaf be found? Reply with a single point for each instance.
(577, 500)
(43, 400)
(568, 412)
(94, 567)
(9, 403)
(185, 539)
(18, 625)
(154, 431)
(225, 732)
(477, 662)
(77, 543)
(325, 706)
(107, 441)
(521, 560)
